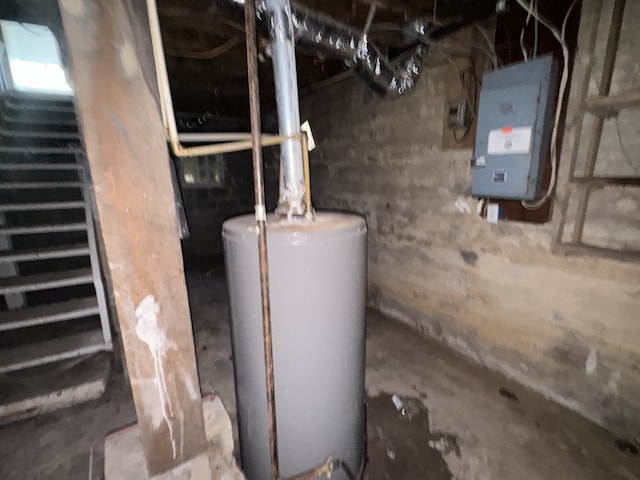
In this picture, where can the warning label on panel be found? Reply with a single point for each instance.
(507, 140)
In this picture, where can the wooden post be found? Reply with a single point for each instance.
(117, 101)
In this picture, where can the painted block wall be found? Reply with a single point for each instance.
(568, 327)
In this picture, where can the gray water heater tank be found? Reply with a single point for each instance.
(317, 276)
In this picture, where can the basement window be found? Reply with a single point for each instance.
(34, 60)
(206, 171)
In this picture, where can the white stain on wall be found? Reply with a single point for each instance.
(148, 330)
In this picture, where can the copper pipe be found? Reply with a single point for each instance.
(193, 137)
(166, 103)
(261, 224)
(325, 469)
(182, 151)
(307, 177)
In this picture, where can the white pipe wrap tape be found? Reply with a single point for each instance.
(261, 213)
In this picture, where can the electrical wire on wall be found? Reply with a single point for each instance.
(493, 57)
(529, 9)
(531, 12)
(535, 32)
(622, 147)
(560, 37)
(491, 52)
(471, 102)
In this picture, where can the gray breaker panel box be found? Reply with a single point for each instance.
(515, 121)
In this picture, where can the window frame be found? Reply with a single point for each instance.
(216, 161)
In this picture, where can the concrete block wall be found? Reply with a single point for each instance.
(566, 327)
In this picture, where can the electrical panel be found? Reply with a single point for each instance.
(515, 121)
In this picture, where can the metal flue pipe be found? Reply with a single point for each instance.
(261, 228)
(280, 26)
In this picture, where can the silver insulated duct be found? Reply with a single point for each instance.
(319, 34)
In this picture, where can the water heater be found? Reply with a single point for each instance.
(317, 283)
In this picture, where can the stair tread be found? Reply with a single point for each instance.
(44, 253)
(54, 387)
(42, 150)
(39, 98)
(40, 135)
(40, 353)
(28, 185)
(21, 104)
(45, 281)
(44, 228)
(49, 313)
(41, 120)
(19, 207)
(40, 166)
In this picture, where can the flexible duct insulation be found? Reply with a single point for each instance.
(320, 34)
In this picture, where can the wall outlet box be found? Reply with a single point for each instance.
(494, 212)
(515, 121)
(459, 114)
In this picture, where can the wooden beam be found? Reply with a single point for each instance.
(607, 106)
(623, 255)
(602, 182)
(117, 101)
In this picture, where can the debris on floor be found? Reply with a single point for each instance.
(461, 422)
(401, 444)
(124, 459)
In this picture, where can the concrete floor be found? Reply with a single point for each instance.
(461, 421)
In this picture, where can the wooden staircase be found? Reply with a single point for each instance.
(52, 300)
